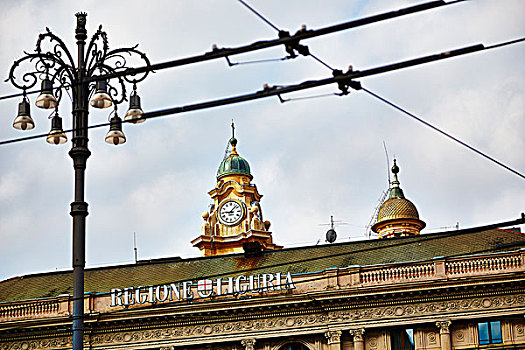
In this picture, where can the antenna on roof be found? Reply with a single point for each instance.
(331, 235)
(380, 201)
(135, 246)
(456, 227)
(227, 151)
(382, 197)
(387, 163)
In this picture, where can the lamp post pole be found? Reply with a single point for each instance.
(56, 65)
(79, 153)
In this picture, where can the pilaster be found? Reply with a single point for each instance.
(444, 334)
(334, 339)
(249, 344)
(359, 338)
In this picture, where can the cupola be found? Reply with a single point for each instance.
(234, 164)
(397, 216)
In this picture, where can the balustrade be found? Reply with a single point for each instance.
(401, 273)
(453, 268)
(480, 265)
(29, 309)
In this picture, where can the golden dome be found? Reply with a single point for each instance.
(397, 208)
(397, 216)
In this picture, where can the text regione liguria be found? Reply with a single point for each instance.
(204, 288)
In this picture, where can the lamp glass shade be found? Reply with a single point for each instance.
(46, 99)
(23, 120)
(101, 98)
(56, 136)
(115, 135)
(135, 112)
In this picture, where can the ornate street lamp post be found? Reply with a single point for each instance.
(57, 71)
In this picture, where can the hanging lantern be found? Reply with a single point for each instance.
(135, 112)
(56, 136)
(101, 98)
(23, 121)
(46, 99)
(115, 134)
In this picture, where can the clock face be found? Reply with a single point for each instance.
(230, 212)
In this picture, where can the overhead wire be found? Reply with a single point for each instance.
(279, 30)
(217, 53)
(320, 61)
(285, 40)
(20, 94)
(260, 15)
(390, 103)
(344, 78)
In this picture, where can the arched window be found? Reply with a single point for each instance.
(293, 346)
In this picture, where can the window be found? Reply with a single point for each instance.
(402, 339)
(293, 346)
(489, 332)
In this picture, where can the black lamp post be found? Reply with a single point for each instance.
(55, 66)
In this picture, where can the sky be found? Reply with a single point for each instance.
(311, 159)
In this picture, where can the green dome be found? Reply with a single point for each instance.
(234, 164)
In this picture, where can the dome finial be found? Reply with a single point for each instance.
(395, 190)
(395, 168)
(233, 140)
(233, 163)
(395, 171)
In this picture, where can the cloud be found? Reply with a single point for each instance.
(310, 158)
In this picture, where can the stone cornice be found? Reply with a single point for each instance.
(281, 307)
(354, 317)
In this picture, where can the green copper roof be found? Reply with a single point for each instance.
(234, 163)
(294, 260)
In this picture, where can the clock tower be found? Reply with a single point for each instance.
(234, 222)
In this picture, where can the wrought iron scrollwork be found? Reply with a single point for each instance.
(51, 59)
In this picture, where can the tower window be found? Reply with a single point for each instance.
(489, 332)
(402, 339)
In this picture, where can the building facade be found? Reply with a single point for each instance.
(461, 289)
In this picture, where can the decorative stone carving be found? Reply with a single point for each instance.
(444, 334)
(358, 334)
(460, 335)
(55, 343)
(431, 338)
(443, 326)
(359, 340)
(372, 342)
(256, 223)
(333, 337)
(206, 227)
(176, 333)
(249, 344)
